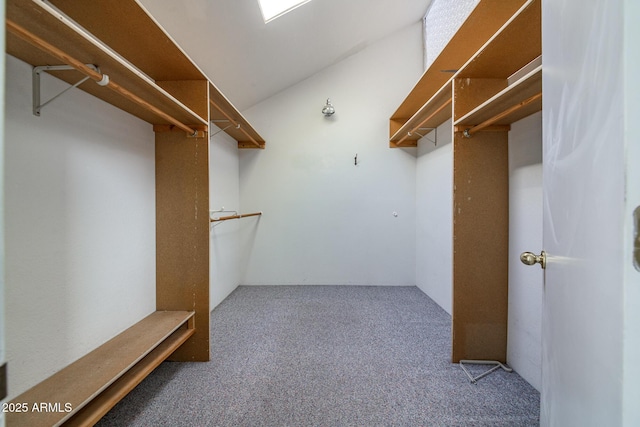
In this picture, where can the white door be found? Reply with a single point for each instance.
(3, 379)
(584, 213)
(631, 367)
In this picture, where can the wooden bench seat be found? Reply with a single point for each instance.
(86, 390)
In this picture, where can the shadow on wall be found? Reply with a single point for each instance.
(248, 234)
(528, 153)
(437, 138)
(231, 245)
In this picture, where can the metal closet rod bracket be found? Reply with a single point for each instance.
(435, 142)
(237, 126)
(35, 76)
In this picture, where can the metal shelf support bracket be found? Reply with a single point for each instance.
(37, 105)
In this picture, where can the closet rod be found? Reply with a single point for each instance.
(233, 122)
(432, 115)
(477, 128)
(225, 218)
(101, 79)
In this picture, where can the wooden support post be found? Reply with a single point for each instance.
(182, 234)
(480, 246)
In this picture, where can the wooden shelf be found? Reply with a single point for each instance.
(496, 81)
(500, 84)
(527, 87)
(487, 73)
(130, 31)
(223, 114)
(99, 406)
(436, 111)
(486, 18)
(517, 43)
(94, 383)
(150, 77)
(128, 45)
(37, 17)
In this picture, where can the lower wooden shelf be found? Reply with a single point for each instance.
(86, 390)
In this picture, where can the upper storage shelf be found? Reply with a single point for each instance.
(430, 102)
(502, 82)
(517, 101)
(150, 76)
(434, 112)
(225, 116)
(517, 43)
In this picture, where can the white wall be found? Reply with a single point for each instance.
(224, 192)
(434, 216)
(524, 343)
(326, 220)
(80, 226)
(441, 22)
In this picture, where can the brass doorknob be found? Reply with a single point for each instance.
(530, 258)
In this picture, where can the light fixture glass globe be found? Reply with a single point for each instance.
(328, 109)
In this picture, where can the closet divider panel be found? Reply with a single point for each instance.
(182, 234)
(480, 246)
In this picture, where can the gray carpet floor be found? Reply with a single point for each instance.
(327, 356)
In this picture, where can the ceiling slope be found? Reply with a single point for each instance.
(249, 61)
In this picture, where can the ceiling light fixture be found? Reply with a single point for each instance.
(272, 9)
(328, 109)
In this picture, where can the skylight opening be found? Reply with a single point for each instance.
(272, 9)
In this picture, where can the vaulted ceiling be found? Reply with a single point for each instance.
(249, 61)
